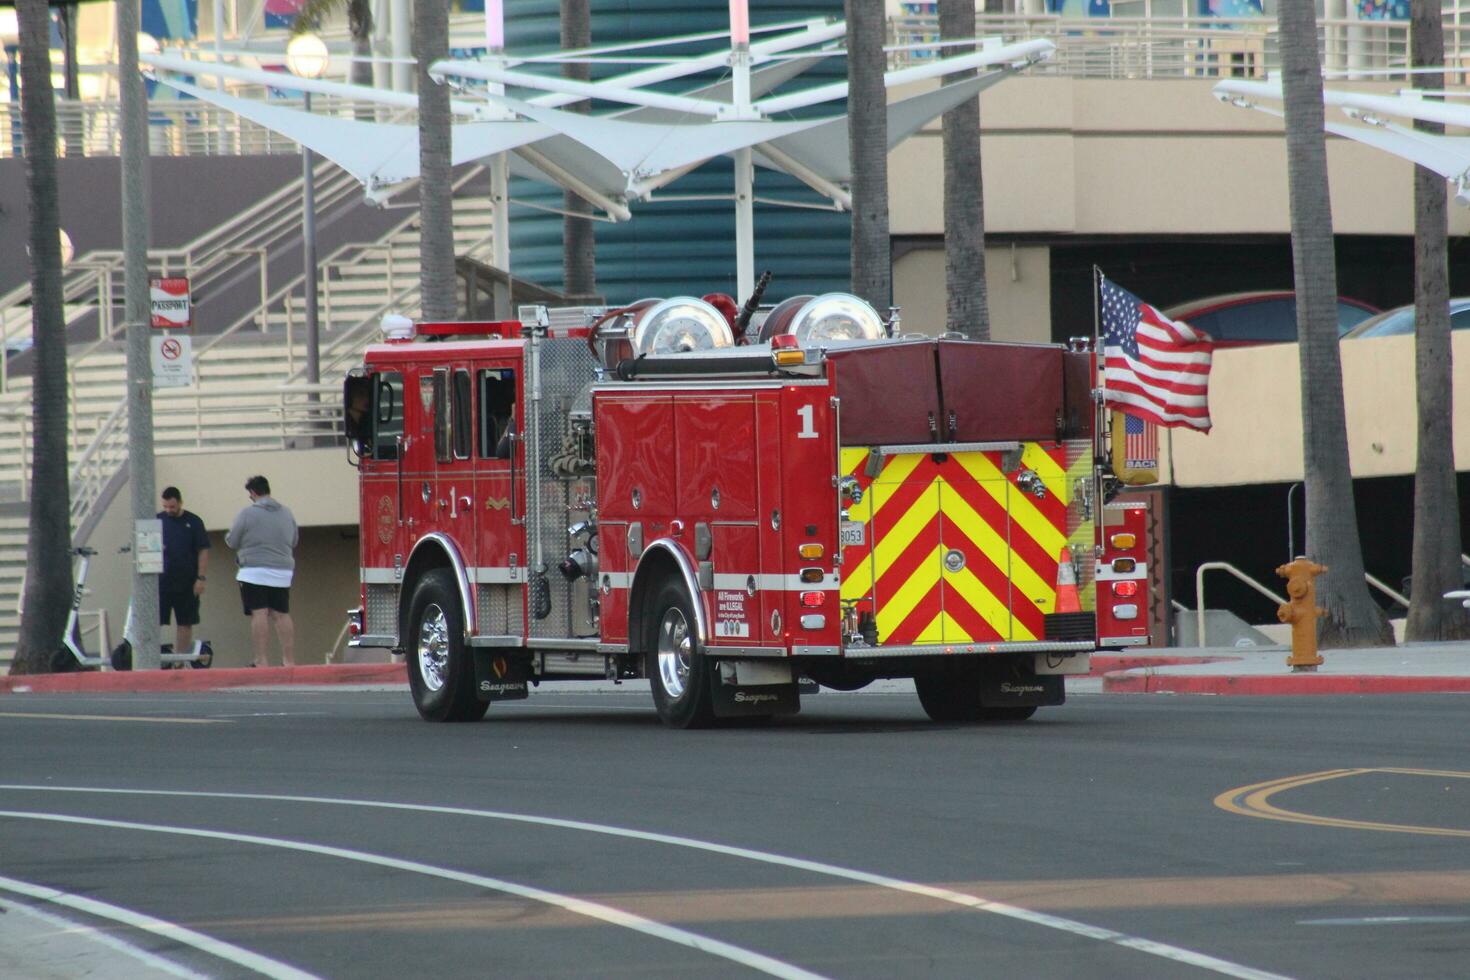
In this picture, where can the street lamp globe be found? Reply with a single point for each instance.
(307, 56)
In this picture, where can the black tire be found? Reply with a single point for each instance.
(678, 671)
(441, 675)
(949, 696)
(63, 661)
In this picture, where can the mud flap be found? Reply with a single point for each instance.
(1019, 687)
(743, 688)
(500, 677)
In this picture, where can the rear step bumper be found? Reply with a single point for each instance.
(951, 649)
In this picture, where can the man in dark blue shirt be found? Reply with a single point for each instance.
(185, 560)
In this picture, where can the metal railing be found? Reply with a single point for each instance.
(1199, 593)
(1146, 46)
(93, 282)
(186, 127)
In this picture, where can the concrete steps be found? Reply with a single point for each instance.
(236, 403)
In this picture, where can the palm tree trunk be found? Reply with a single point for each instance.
(579, 245)
(360, 26)
(436, 196)
(1436, 556)
(867, 101)
(1352, 619)
(967, 308)
(48, 566)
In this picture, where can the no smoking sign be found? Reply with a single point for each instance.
(173, 362)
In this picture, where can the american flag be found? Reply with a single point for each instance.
(1155, 368)
(1140, 443)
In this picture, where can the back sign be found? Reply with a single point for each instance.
(169, 298)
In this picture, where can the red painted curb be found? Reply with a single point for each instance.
(1106, 663)
(1147, 682)
(140, 681)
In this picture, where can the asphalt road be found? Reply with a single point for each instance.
(333, 832)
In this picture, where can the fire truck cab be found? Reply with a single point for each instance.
(655, 492)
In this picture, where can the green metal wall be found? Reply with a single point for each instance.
(683, 247)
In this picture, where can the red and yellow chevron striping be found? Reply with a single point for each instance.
(955, 550)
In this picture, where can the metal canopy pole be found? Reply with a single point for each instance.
(744, 169)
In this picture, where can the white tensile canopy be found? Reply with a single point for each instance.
(1448, 156)
(614, 159)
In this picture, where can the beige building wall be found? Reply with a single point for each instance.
(1163, 157)
(320, 488)
(1255, 405)
(1018, 285)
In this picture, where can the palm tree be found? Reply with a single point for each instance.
(1436, 555)
(1352, 619)
(967, 309)
(436, 196)
(48, 568)
(872, 256)
(359, 26)
(579, 246)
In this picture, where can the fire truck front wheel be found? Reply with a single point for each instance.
(678, 671)
(441, 674)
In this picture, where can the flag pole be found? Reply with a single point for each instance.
(1100, 448)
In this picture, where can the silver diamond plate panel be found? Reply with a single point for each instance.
(562, 369)
(501, 609)
(382, 610)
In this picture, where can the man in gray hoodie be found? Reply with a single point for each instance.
(263, 537)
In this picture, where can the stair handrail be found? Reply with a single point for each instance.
(223, 246)
(1381, 587)
(1199, 593)
(363, 250)
(332, 353)
(97, 463)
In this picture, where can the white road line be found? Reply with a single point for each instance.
(604, 913)
(263, 965)
(975, 902)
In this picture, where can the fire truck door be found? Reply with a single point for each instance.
(499, 505)
(454, 471)
(383, 546)
(419, 478)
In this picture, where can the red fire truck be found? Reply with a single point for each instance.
(659, 492)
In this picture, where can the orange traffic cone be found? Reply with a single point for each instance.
(1068, 600)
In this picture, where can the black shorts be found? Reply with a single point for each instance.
(183, 603)
(270, 597)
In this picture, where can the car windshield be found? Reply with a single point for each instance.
(1401, 321)
(1266, 320)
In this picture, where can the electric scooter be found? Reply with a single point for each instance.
(71, 655)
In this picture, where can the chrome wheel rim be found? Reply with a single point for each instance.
(675, 649)
(433, 647)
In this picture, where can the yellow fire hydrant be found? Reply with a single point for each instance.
(1302, 612)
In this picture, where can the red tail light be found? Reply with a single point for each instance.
(1125, 590)
(813, 600)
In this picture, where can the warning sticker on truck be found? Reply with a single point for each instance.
(730, 615)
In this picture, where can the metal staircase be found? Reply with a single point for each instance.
(249, 392)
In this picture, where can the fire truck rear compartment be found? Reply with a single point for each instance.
(967, 512)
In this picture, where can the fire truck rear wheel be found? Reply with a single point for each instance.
(949, 696)
(441, 674)
(955, 697)
(678, 671)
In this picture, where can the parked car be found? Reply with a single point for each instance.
(1400, 320)
(1260, 317)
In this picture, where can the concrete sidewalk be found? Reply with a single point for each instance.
(1418, 668)
(1412, 668)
